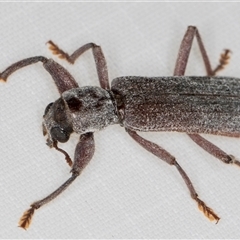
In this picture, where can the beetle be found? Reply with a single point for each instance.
(190, 104)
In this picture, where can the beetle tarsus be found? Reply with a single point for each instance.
(26, 218)
(58, 51)
(208, 212)
(223, 61)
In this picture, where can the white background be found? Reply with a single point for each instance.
(125, 192)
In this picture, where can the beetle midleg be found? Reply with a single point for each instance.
(179, 70)
(167, 157)
(99, 58)
(83, 154)
(185, 49)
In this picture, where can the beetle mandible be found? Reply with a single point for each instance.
(180, 103)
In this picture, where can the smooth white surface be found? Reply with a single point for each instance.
(125, 192)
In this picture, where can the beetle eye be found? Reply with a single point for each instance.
(59, 134)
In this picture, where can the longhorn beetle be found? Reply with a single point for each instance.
(189, 104)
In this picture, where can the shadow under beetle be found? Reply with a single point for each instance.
(180, 103)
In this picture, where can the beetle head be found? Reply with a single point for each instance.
(56, 123)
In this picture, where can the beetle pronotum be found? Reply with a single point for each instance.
(184, 104)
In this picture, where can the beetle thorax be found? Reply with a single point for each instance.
(90, 109)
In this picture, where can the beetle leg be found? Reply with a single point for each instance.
(23, 63)
(223, 61)
(83, 154)
(179, 70)
(184, 51)
(167, 157)
(62, 78)
(214, 150)
(99, 58)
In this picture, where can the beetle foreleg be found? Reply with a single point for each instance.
(62, 78)
(20, 64)
(167, 157)
(83, 154)
(99, 58)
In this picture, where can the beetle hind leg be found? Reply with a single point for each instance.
(167, 157)
(207, 211)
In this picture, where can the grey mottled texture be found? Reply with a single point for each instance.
(90, 109)
(184, 104)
